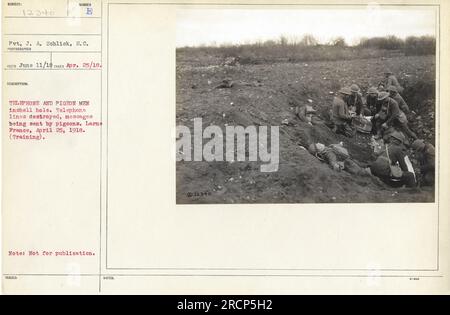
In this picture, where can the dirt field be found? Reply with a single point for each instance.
(266, 94)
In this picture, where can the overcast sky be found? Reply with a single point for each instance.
(196, 26)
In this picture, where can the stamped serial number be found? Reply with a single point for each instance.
(191, 194)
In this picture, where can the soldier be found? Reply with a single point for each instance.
(393, 157)
(393, 93)
(340, 114)
(355, 101)
(374, 106)
(390, 79)
(320, 151)
(425, 154)
(381, 116)
(393, 116)
(308, 114)
(337, 158)
(381, 87)
(371, 100)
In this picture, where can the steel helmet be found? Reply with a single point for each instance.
(399, 136)
(392, 88)
(312, 149)
(372, 90)
(315, 148)
(354, 88)
(382, 95)
(346, 91)
(418, 144)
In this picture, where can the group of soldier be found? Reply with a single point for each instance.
(384, 104)
(387, 112)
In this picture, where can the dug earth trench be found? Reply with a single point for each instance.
(266, 95)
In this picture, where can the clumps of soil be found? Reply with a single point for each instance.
(421, 100)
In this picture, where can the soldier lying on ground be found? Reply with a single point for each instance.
(425, 155)
(391, 165)
(337, 158)
(308, 114)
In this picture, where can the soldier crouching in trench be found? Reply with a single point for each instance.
(340, 115)
(372, 101)
(425, 155)
(391, 167)
(391, 115)
(356, 102)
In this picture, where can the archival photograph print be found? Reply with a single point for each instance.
(306, 104)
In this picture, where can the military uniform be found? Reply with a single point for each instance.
(339, 112)
(401, 103)
(392, 80)
(308, 115)
(355, 100)
(393, 111)
(338, 160)
(328, 156)
(397, 118)
(382, 169)
(373, 104)
(341, 118)
(426, 158)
